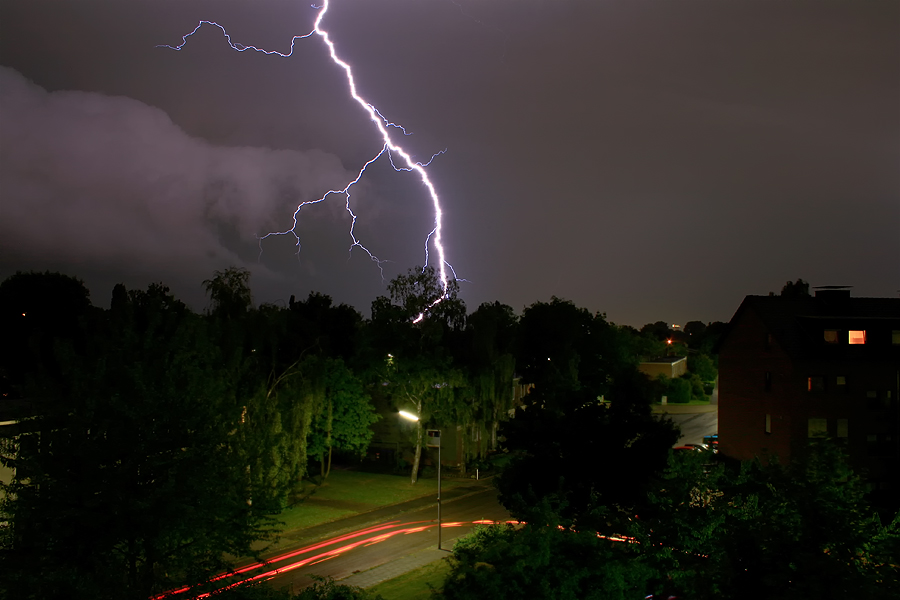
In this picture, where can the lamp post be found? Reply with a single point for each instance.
(432, 440)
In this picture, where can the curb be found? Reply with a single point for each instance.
(687, 409)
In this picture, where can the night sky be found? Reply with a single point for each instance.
(652, 159)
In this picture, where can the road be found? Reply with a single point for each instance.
(695, 426)
(350, 552)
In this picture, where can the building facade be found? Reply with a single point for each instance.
(791, 369)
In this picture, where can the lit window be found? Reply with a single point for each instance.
(815, 384)
(817, 428)
(895, 337)
(768, 423)
(856, 337)
(831, 336)
(842, 427)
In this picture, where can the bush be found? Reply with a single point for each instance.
(697, 388)
(679, 391)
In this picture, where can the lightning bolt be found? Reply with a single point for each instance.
(389, 147)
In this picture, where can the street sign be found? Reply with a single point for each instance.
(433, 438)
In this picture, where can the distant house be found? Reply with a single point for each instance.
(12, 430)
(393, 438)
(670, 366)
(795, 368)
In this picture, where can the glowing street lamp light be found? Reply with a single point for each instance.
(433, 440)
(408, 415)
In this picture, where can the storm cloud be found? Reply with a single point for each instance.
(109, 181)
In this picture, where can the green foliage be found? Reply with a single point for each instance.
(411, 333)
(542, 563)
(138, 482)
(579, 456)
(326, 589)
(679, 391)
(343, 418)
(486, 356)
(769, 531)
(703, 366)
(697, 391)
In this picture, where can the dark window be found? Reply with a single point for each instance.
(880, 444)
(768, 381)
(895, 337)
(831, 336)
(815, 384)
(843, 428)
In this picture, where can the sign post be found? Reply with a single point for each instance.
(433, 440)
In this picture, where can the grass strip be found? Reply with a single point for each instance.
(348, 493)
(414, 585)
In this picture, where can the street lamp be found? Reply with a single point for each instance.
(433, 440)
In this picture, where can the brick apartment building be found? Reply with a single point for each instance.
(795, 368)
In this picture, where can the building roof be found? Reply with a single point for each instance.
(798, 324)
(665, 360)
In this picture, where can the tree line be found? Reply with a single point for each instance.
(158, 441)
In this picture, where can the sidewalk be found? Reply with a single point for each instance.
(683, 409)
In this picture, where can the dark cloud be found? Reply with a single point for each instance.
(653, 160)
(109, 182)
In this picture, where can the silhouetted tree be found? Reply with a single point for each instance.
(229, 292)
(795, 289)
(135, 479)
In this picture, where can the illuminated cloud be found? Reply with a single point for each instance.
(90, 178)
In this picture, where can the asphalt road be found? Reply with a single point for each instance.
(389, 541)
(347, 552)
(695, 426)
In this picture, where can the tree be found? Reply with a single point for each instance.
(695, 330)
(487, 355)
(410, 332)
(229, 292)
(659, 330)
(36, 309)
(768, 531)
(563, 348)
(543, 563)
(795, 289)
(580, 455)
(133, 480)
(702, 366)
(344, 418)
